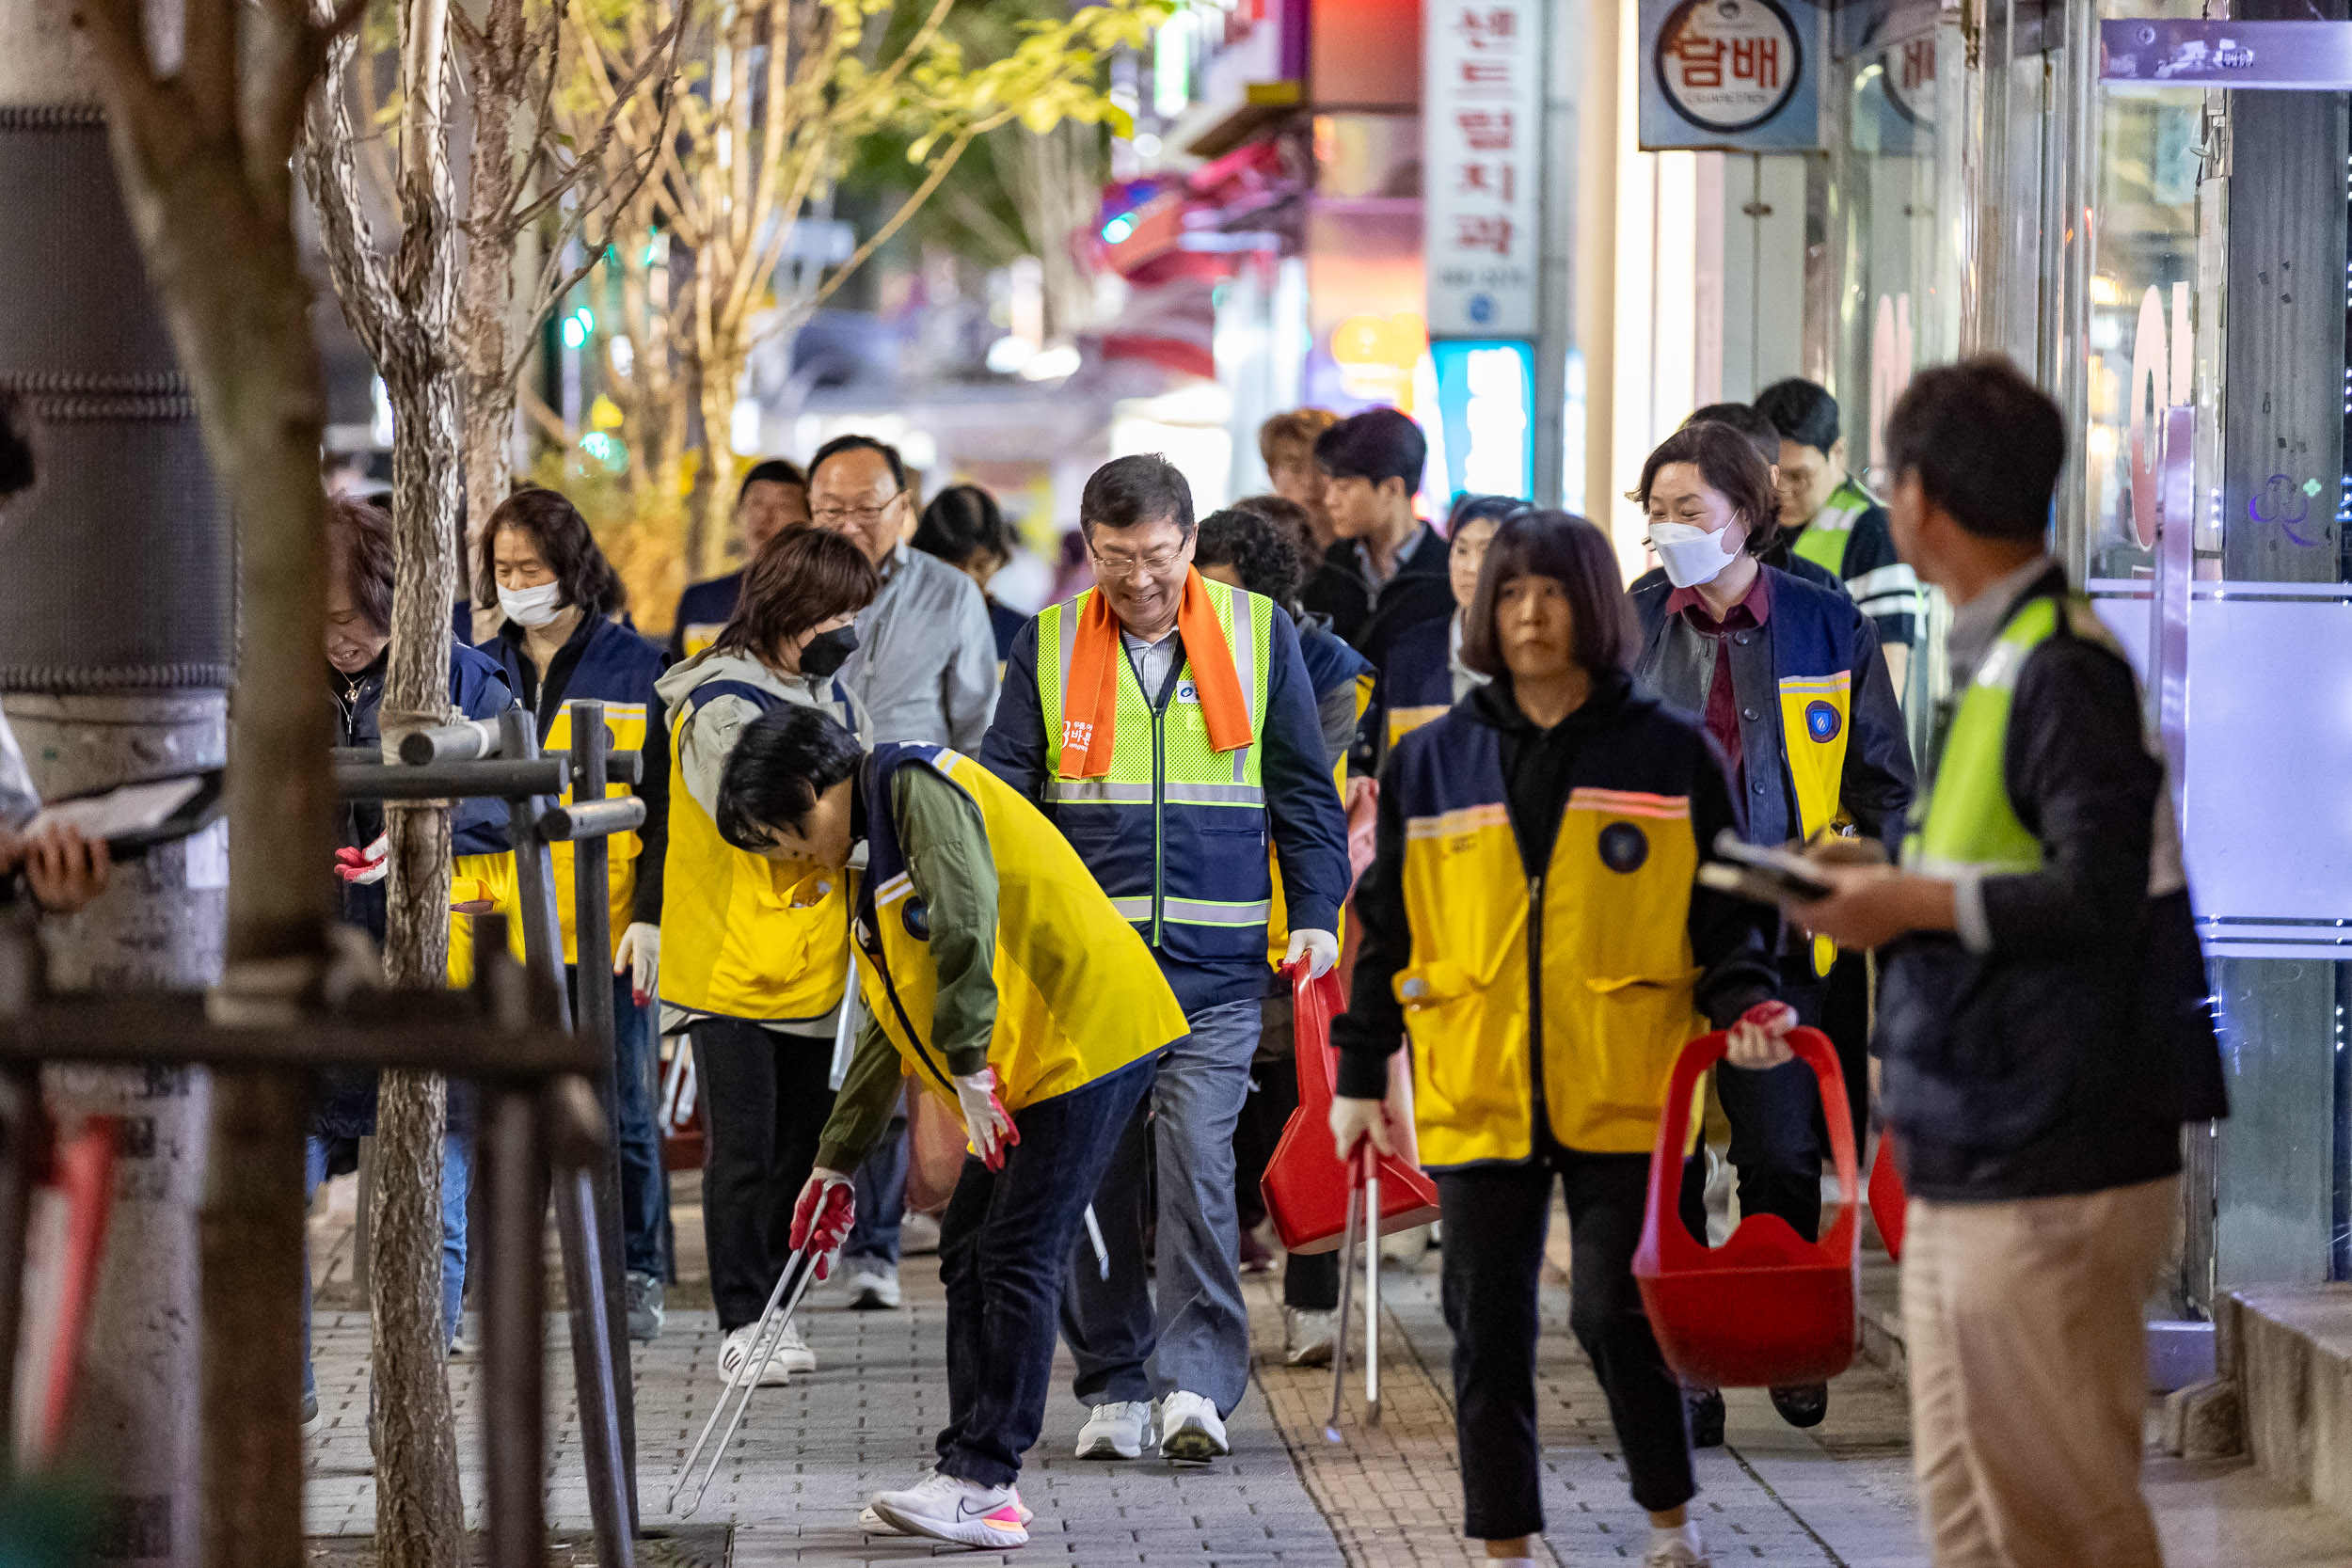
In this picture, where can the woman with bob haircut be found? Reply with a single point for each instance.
(560, 643)
(1530, 927)
(758, 954)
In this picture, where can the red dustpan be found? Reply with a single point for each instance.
(1767, 1309)
(1306, 1183)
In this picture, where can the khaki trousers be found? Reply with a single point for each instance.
(2029, 1377)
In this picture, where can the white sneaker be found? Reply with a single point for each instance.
(874, 1524)
(792, 1352)
(947, 1509)
(1116, 1430)
(1190, 1428)
(918, 1235)
(1308, 1336)
(873, 1287)
(735, 1354)
(1676, 1554)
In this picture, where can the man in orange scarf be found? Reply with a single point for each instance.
(1167, 725)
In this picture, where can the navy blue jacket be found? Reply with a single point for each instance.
(346, 1106)
(711, 603)
(1302, 816)
(1809, 630)
(607, 663)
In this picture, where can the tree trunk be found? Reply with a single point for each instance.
(487, 291)
(419, 1516)
(713, 526)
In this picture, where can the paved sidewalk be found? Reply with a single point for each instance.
(809, 1455)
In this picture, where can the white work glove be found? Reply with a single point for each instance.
(1354, 1120)
(826, 1210)
(1320, 948)
(639, 952)
(360, 867)
(986, 1121)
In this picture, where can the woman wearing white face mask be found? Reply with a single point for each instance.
(1789, 680)
(560, 644)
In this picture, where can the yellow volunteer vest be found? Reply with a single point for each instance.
(1078, 995)
(1814, 714)
(1614, 987)
(743, 937)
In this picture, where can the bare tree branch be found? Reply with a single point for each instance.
(356, 268)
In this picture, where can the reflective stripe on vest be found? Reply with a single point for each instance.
(1077, 997)
(1162, 764)
(1969, 824)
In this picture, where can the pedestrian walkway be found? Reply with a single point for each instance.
(1386, 1498)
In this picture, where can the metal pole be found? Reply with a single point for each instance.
(514, 1320)
(535, 868)
(594, 1374)
(20, 1110)
(592, 933)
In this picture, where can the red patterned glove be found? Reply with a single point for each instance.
(823, 1217)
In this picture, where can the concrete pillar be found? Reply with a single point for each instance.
(117, 636)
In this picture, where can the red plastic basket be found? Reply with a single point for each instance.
(1767, 1308)
(1306, 1183)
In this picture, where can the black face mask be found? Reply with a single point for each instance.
(828, 651)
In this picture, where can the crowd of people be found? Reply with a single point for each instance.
(1057, 872)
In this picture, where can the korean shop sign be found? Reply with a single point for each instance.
(1482, 173)
(1741, 75)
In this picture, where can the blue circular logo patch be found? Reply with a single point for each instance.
(917, 917)
(1822, 720)
(1623, 847)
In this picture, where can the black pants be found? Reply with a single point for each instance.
(1004, 1249)
(1777, 1141)
(1495, 1218)
(1312, 1283)
(765, 1097)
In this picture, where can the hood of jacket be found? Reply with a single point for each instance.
(735, 665)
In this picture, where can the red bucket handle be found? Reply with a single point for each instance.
(1313, 1004)
(1665, 1241)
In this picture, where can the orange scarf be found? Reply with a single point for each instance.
(1090, 695)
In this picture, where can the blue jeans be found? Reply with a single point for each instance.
(1198, 1340)
(881, 1199)
(456, 1182)
(644, 1185)
(1001, 1245)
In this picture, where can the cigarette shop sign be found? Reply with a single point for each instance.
(1738, 75)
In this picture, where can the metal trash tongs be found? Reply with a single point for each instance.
(791, 1285)
(1363, 1227)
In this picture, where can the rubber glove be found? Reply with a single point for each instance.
(823, 1217)
(1354, 1120)
(986, 1121)
(639, 952)
(1761, 1039)
(362, 866)
(1320, 948)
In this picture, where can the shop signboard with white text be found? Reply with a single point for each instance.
(1482, 174)
(1733, 75)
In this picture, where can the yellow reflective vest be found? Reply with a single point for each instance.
(741, 935)
(1569, 992)
(1078, 995)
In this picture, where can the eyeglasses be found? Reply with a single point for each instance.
(834, 516)
(1128, 566)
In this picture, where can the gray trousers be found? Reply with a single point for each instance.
(1197, 1341)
